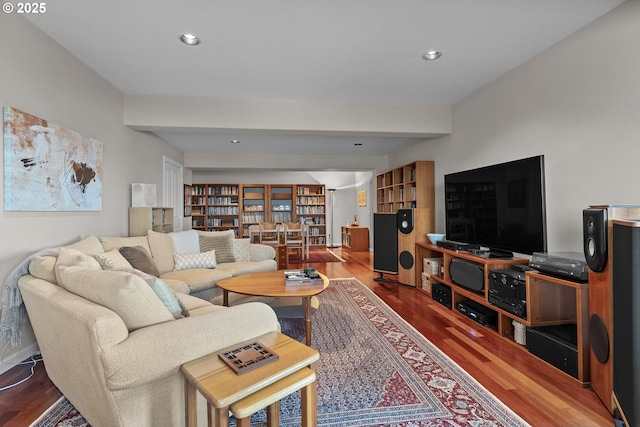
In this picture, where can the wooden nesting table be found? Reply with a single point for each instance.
(224, 389)
(272, 284)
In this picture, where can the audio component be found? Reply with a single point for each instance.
(441, 294)
(567, 265)
(556, 345)
(385, 243)
(601, 325)
(454, 246)
(405, 220)
(413, 226)
(594, 232)
(626, 319)
(467, 274)
(508, 290)
(143, 195)
(478, 312)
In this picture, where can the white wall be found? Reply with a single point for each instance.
(578, 103)
(41, 78)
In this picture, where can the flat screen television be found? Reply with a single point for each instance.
(500, 207)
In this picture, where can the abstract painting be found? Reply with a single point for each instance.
(48, 167)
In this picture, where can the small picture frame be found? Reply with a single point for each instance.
(362, 198)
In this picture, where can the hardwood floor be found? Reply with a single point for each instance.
(538, 393)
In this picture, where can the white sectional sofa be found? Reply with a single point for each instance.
(113, 339)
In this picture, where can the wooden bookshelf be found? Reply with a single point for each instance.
(238, 206)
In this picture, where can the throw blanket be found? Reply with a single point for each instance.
(13, 309)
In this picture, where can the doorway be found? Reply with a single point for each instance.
(173, 188)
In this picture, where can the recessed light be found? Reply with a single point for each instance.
(431, 55)
(235, 141)
(189, 39)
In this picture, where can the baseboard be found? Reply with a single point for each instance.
(17, 357)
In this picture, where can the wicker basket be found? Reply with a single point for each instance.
(519, 333)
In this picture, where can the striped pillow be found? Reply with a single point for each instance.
(219, 241)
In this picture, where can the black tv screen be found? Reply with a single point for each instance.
(501, 206)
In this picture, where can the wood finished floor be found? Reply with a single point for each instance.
(538, 393)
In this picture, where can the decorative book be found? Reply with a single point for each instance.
(247, 357)
(302, 278)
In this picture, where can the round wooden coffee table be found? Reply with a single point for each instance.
(272, 284)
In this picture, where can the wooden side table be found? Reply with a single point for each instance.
(355, 238)
(222, 387)
(282, 256)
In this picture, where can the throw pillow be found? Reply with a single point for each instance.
(89, 245)
(168, 297)
(140, 259)
(126, 294)
(195, 260)
(186, 241)
(43, 267)
(242, 249)
(112, 260)
(219, 241)
(162, 250)
(109, 243)
(73, 257)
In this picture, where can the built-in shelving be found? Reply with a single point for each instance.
(239, 206)
(141, 219)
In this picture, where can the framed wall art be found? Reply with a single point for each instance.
(48, 167)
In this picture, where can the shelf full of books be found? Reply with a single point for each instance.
(239, 206)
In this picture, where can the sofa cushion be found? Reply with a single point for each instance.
(261, 252)
(242, 249)
(185, 241)
(73, 257)
(140, 259)
(112, 260)
(198, 279)
(219, 241)
(185, 261)
(162, 250)
(126, 294)
(109, 243)
(89, 245)
(42, 267)
(248, 267)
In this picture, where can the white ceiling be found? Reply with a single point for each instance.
(327, 51)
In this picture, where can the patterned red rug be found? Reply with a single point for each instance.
(376, 370)
(315, 256)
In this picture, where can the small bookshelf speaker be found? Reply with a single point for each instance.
(143, 195)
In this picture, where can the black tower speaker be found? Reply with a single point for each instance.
(405, 220)
(626, 320)
(594, 230)
(385, 243)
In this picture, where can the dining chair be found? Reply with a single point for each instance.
(269, 234)
(294, 237)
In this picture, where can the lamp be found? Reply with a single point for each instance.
(330, 242)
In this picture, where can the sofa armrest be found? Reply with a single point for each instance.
(71, 333)
(259, 252)
(157, 351)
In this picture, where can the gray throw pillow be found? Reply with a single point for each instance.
(219, 241)
(140, 259)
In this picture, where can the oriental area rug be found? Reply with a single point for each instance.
(374, 370)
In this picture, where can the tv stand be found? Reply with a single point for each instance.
(550, 300)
